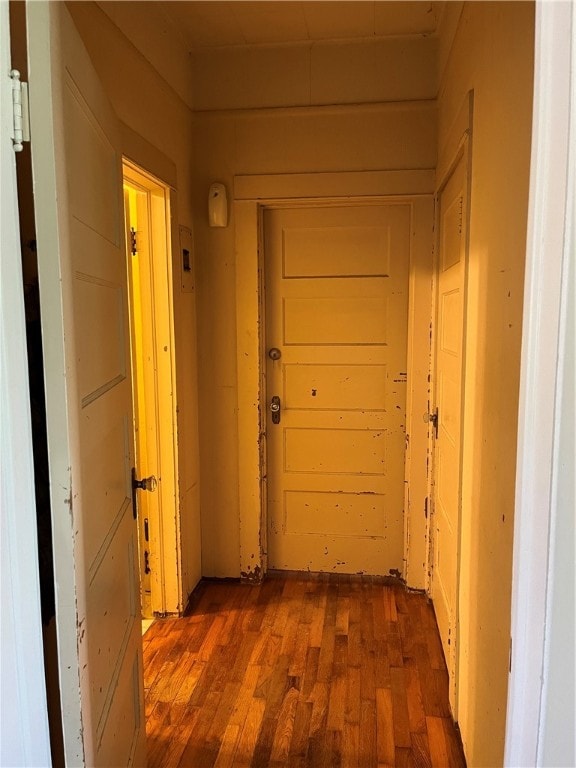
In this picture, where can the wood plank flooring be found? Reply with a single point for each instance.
(317, 670)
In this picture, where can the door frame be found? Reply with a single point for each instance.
(24, 735)
(542, 463)
(140, 153)
(251, 195)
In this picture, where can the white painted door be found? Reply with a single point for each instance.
(452, 207)
(336, 342)
(82, 271)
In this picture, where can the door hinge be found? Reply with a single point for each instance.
(133, 242)
(20, 112)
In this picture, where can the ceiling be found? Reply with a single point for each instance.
(215, 23)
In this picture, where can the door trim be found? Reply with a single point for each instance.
(279, 190)
(24, 733)
(145, 156)
(540, 512)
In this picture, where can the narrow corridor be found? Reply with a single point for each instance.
(302, 670)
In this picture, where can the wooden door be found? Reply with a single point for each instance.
(153, 387)
(448, 386)
(142, 362)
(336, 339)
(81, 253)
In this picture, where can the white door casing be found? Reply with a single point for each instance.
(540, 716)
(82, 275)
(24, 736)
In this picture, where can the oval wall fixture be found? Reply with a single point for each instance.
(217, 205)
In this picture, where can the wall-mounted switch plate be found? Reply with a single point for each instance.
(186, 258)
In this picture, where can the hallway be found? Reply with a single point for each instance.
(302, 670)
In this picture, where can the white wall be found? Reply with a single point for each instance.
(491, 54)
(320, 73)
(558, 745)
(284, 141)
(147, 75)
(558, 737)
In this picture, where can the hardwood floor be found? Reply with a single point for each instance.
(303, 670)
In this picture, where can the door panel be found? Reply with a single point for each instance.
(77, 162)
(452, 205)
(337, 309)
(336, 320)
(335, 387)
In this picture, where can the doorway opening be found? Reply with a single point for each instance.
(147, 218)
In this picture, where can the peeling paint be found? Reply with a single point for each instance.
(252, 576)
(69, 501)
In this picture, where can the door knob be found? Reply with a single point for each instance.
(274, 353)
(275, 409)
(432, 418)
(146, 484)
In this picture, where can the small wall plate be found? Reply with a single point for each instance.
(186, 258)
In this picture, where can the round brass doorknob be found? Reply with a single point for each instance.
(274, 353)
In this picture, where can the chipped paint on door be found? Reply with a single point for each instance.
(337, 310)
(82, 274)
